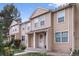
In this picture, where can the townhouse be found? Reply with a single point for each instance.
(52, 30)
(15, 32)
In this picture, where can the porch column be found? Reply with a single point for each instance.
(27, 41)
(46, 40)
(34, 37)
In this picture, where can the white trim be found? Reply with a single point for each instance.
(61, 38)
(47, 47)
(34, 40)
(62, 11)
(68, 26)
(73, 44)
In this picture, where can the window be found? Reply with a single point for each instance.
(61, 36)
(28, 27)
(23, 28)
(58, 37)
(64, 36)
(61, 17)
(15, 29)
(36, 24)
(42, 22)
(23, 38)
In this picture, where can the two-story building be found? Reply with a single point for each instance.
(41, 30)
(15, 29)
(52, 30)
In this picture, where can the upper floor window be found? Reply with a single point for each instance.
(61, 36)
(15, 29)
(29, 26)
(23, 28)
(42, 22)
(36, 24)
(61, 16)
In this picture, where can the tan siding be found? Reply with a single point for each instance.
(47, 22)
(77, 26)
(39, 11)
(64, 26)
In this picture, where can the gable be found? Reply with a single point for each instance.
(13, 23)
(38, 12)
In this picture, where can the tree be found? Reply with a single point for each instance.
(7, 15)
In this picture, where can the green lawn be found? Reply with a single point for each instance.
(18, 50)
(34, 54)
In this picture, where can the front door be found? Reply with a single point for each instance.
(41, 41)
(30, 40)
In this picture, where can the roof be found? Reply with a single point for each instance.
(25, 22)
(39, 11)
(64, 6)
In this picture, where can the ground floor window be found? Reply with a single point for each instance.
(23, 38)
(61, 36)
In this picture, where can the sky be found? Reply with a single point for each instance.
(26, 9)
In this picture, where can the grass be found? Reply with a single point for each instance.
(34, 54)
(18, 50)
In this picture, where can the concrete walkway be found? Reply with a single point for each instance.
(52, 53)
(58, 54)
(29, 50)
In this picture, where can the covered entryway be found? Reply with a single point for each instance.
(39, 40)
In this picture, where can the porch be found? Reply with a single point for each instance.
(38, 40)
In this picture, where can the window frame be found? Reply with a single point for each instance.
(22, 38)
(61, 37)
(58, 36)
(36, 25)
(66, 33)
(60, 16)
(42, 19)
(42, 23)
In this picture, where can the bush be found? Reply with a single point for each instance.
(75, 53)
(8, 51)
(17, 43)
(23, 47)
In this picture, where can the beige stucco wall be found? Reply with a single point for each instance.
(67, 25)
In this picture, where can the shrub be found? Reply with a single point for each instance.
(8, 51)
(23, 47)
(75, 53)
(17, 43)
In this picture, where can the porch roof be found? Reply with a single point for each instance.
(37, 31)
